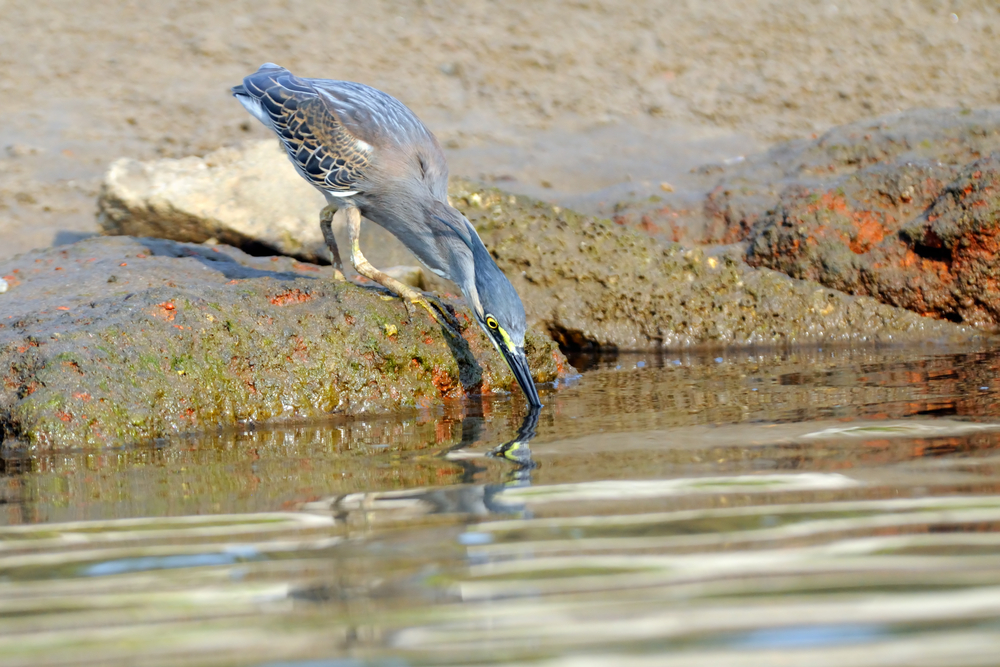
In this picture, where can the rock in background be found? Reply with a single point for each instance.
(595, 285)
(590, 283)
(249, 197)
(902, 208)
(245, 198)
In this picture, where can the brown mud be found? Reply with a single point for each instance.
(557, 99)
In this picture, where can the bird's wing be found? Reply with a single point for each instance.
(381, 120)
(327, 153)
(371, 115)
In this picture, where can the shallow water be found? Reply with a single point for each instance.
(818, 507)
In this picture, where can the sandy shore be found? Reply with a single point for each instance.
(580, 95)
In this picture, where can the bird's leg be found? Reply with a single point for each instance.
(365, 268)
(325, 220)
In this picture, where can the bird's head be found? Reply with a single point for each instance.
(500, 313)
(494, 301)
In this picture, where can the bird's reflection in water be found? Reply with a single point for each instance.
(481, 499)
(518, 450)
(469, 497)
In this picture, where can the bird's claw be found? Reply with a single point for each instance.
(440, 315)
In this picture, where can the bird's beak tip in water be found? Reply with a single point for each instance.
(518, 363)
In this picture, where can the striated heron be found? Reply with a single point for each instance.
(371, 156)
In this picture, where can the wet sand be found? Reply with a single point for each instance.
(553, 99)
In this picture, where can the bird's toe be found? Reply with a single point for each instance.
(440, 315)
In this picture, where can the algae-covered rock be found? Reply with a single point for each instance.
(114, 340)
(595, 284)
(901, 208)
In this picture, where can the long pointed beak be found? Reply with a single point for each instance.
(518, 363)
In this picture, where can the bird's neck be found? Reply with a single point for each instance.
(486, 275)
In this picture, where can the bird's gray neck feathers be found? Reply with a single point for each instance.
(486, 274)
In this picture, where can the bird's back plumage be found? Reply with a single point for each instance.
(354, 141)
(320, 145)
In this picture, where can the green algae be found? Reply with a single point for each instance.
(165, 363)
(593, 284)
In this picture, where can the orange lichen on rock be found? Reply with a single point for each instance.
(290, 296)
(166, 310)
(871, 231)
(442, 380)
(829, 201)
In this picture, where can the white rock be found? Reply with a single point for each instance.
(251, 198)
(234, 196)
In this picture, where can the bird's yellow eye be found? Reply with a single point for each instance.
(491, 322)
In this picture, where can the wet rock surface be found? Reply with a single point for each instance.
(114, 340)
(595, 284)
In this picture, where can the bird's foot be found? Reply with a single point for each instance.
(439, 312)
(410, 296)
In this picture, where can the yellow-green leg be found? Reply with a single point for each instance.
(365, 268)
(325, 221)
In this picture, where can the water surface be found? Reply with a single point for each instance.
(834, 506)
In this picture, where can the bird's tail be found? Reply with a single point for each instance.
(266, 76)
(250, 92)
